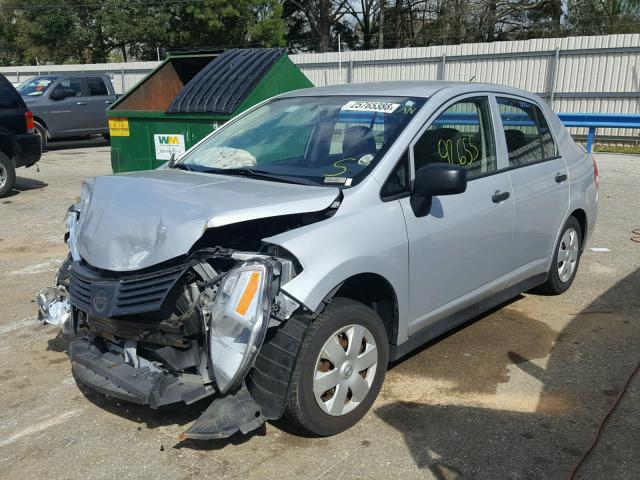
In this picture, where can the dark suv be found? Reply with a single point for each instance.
(19, 145)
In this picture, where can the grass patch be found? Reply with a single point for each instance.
(617, 149)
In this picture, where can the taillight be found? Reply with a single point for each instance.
(596, 176)
(30, 124)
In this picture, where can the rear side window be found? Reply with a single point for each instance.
(526, 132)
(96, 86)
(9, 98)
(461, 135)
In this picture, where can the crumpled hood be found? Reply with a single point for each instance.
(140, 219)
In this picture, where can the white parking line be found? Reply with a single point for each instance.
(40, 427)
(44, 267)
(17, 325)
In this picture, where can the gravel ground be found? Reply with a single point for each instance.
(516, 394)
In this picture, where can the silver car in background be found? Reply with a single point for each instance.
(281, 263)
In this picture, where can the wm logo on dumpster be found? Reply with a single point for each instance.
(169, 140)
(168, 145)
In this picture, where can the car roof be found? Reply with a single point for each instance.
(70, 74)
(402, 89)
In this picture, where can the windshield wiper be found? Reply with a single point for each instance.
(253, 173)
(181, 166)
(177, 164)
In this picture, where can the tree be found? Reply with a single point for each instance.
(322, 15)
(603, 16)
(241, 22)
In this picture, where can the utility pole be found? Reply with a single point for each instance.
(381, 25)
(339, 55)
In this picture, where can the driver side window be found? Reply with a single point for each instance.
(70, 85)
(461, 135)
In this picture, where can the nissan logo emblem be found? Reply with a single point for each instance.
(100, 301)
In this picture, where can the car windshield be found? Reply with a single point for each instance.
(314, 140)
(35, 86)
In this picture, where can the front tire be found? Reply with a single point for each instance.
(339, 370)
(566, 259)
(7, 174)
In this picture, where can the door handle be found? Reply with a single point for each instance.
(81, 103)
(561, 177)
(108, 102)
(499, 196)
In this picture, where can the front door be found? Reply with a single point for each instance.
(460, 251)
(68, 115)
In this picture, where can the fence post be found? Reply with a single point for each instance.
(554, 76)
(350, 71)
(590, 139)
(122, 80)
(442, 67)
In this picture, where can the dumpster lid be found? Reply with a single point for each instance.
(225, 82)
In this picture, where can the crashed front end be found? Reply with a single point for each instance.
(183, 330)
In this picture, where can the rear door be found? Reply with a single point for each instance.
(461, 251)
(98, 100)
(67, 117)
(540, 182)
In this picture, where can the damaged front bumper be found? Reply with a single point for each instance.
(134, 343)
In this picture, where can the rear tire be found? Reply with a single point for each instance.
(359, 368)
(41, 131)
(7, 175)
(566, 259)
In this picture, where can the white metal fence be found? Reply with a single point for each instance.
(599, 74)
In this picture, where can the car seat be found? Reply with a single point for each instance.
(358, 141)
(515, 139)
(426, 149)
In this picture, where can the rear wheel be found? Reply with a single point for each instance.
(339, 370)
(7, 174)
(566, 259)
(42, 133)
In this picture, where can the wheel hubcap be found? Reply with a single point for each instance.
(567, 258)
(345, 370)
(3, 176)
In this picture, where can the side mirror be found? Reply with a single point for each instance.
(61, 94)
(436, 179)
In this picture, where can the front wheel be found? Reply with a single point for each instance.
(339, 370)
(566, 259)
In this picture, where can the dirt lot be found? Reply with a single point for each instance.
(516, 394)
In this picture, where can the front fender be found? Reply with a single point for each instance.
(368, 240)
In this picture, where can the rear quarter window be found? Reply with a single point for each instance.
(9, 97)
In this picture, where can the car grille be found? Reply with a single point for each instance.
(106, 295)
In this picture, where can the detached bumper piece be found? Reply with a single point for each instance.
(227, 415)
(107, 373)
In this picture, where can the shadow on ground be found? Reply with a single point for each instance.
(22, 185)
(588, 362)
(75, 143)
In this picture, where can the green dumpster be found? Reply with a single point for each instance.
(187, 97)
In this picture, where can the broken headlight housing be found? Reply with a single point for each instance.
(239, 320)
(73, 221)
